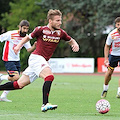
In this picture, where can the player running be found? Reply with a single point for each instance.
(11, 60)
(48, 38)
(113, 40)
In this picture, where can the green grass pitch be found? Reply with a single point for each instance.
(75, 96)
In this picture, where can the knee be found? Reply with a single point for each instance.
(20, 85)
(13, 78)
(16, 85)
(110, 72)
(49, 78)
(13, 75)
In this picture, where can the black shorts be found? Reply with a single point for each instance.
(113, 60)
(12, 66)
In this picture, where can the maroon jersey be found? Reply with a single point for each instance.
(48, 40)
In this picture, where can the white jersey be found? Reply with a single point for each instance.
(113, 39)
(11, 38)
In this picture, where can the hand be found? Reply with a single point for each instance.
(16, 49)
(106, 62)
(75, 47)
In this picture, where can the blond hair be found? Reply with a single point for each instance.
(52, 13)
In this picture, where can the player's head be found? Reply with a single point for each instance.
(55, 19)
(117, 23)
(23, 27)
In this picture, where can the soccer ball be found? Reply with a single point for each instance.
(102, 106)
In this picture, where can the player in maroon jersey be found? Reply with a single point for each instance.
(47, 39)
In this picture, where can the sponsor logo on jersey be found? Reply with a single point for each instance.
(47, 32)
(117, 44)
(51, 38)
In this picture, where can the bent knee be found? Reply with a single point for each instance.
(20, 85)
(49, 78)
(16, 85)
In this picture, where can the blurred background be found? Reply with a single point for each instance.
(87, 21)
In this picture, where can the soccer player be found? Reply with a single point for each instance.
(113, 40)
(11, 60)
(48, 38)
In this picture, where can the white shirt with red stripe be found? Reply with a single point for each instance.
(11, 38)
(113, 39)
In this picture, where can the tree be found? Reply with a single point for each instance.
(4, 7)
(23, 10)
(85, 21)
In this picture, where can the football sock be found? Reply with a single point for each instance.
(118, 90)
(46, 88)
(9, 86)
(4, 94)
(105, 87)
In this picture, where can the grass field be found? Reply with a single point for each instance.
(75, 96)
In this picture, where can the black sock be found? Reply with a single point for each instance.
(46, 90)
(7, 86)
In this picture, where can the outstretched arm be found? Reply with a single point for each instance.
(74, 45)
(19, 46)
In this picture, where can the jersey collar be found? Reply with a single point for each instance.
(51, 30)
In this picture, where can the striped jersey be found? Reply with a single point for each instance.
(11, 38)
(113, 39)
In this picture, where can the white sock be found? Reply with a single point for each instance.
(105, 87)
(4, 94)
(4, 77)
(118, 90)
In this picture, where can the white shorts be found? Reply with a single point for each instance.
(36, 64)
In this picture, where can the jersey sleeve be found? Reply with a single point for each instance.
(109, 40)
(65, 36)
(4, 37)
(27, 45)
(36, 32)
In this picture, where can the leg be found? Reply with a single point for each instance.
(47, 74)
(11, 77)
(13, 70)
(118, 92)
(22, 82)
(15, 77)
(48, 77)
(119, 83)
(108, 75)
(38, 66)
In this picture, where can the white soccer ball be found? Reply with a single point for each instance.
(102, 106)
